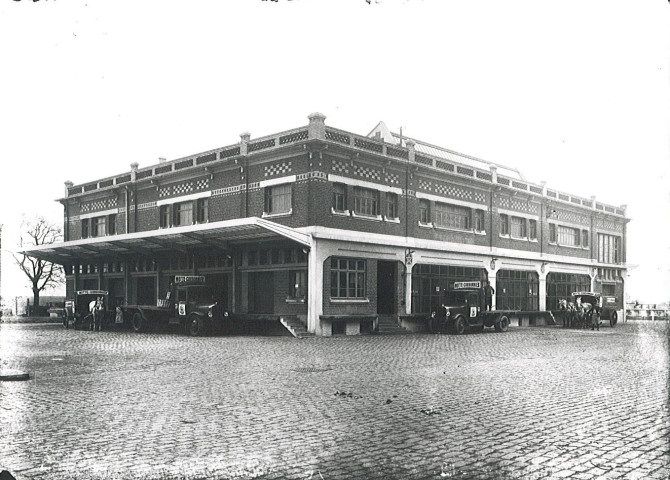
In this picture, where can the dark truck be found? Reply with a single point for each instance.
(189, 303)
(464, 308)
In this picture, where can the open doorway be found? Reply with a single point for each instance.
(386, 287)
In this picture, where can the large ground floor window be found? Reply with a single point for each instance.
(429, 282)
(347, 278)
(517, 290)
(561, 285)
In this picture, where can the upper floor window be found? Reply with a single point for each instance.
(452, 216)
(391, 210)
(585, 238)
(518, 227)
(84, 228)
(339, 197)
(365, 201)
(278, 199)
(164, 216)
(111, 224)
(183, 214)
(424, 211)
(504, 224)
(568, 236)
(202, 210)
(609, 248)
(99, 226)
(552, 233)
(532, 229)
(479, 220)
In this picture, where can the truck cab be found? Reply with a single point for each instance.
(463, 309)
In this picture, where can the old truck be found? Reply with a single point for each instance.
(189, 303)
(464, 309)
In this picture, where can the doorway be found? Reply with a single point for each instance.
(386, 287)
(261, 292)
(146, 290)
(219, 284)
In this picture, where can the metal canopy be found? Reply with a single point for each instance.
(212, 235)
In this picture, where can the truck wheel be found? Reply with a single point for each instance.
(195, 325)
(613, 319)
(139, 324)
(502, 324)
(459, 326)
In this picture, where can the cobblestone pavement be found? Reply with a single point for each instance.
(532, 403)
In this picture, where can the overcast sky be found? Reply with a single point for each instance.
(571, 92)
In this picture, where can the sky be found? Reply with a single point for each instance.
(574, 93)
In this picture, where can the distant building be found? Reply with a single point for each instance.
(24, 305)
(337, 230)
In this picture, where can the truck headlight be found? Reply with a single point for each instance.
(432, 315)
(448, 314)
(210, 314)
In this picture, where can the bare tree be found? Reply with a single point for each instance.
(41, 273)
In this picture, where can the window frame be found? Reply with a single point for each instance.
(479, 220)
(164, 216)
(111, 224)
(568, 236)
(504, 224)
(424, 211)
(448, 215)
(278, 202)
(366, 202)
(184, 209)
(339, 196)
(553, 236)
(98, 226)
(348, 278)
(297, 285)
(391, 205)
(202, 210)
(518, 227)
(532, 229)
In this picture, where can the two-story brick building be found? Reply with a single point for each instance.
(337, 230)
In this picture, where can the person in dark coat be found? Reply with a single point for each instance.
(489, 291)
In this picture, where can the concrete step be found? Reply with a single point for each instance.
(296, 327)
(388, 325)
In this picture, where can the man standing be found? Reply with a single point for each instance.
(488, 295)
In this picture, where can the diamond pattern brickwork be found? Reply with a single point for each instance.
(340, 167)
(367, 173)
(391, 178)
(183, 188)
(608, 225)
(519, 205)
(97, 205)
(574, 218)
(277, 169)
(452, 191)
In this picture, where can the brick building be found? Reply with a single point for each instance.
(337, 230)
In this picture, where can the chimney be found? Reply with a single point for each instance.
(317, 125)
(162, 159)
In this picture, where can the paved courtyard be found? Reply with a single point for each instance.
(532, 403)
